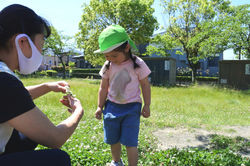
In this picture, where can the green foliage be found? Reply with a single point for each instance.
(183, 71)
(56, 44)
(197, 157)
(236, 144)
(60, 68)
(199, 78)
(43, 73)
(188, 29)
(71, 64)
(94, 70)
(238, 30)
(86, 73)
(136, 16)
(51, 73)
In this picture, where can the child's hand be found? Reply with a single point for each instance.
(98, 113)
(145, 111)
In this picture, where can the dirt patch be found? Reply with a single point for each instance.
(196, 137)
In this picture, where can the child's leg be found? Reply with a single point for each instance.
(116, 152)
(132, 153)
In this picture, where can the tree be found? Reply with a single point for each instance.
(190, 26)
(136, 16)
(238, 30)
(58, 45)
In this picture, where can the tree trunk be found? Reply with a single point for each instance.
(240, 54)
(194, 75)
(193, 68)
(64, 72)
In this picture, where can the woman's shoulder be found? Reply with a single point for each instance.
(9, 80)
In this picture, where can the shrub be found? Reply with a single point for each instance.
(86, 73)
(51, 73)
(199, 78)
(60, 68)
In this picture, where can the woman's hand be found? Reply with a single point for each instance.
(71, 102)
(59, 86)
(145, 111)
(98, 113)
(41, 89)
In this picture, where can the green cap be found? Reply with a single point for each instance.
(112, 37)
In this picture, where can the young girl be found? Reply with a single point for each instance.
(122, 74)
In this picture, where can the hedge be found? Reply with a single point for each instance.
(77, 70)
(198, 78)
(59, 69)
(86, 73)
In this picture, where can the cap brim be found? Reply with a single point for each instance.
(97, 51)
(109, 49)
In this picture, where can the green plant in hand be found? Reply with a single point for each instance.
(69, 92)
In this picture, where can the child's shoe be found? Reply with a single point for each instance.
(113, 163)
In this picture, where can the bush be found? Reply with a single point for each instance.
(59, 69)
(42, 73)
(199, 78)
(194, 157)
(86, 73)
(51, 73)
(77, 70)
(71, 64)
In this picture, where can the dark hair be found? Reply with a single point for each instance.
(16, 19)
(121, 49)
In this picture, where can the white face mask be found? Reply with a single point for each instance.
(28, 65)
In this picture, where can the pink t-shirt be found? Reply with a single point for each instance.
(124, 85)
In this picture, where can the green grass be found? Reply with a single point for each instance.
(195, 106)
(199, 105)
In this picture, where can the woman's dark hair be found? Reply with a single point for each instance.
(121, 49)
(16, 19)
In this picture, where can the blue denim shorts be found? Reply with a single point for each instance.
(121, 123)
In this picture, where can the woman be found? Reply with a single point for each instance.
(22, 124)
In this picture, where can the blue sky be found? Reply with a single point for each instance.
(65, 15)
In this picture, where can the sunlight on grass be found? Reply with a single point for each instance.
(176, 106)
(199, 105)
(195, 106)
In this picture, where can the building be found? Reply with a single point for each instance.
(235, 73)
(208, 66)
(80, 62)
(163, 70)
(48, 62)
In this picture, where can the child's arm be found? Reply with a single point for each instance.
(146, 92)
(102, 96)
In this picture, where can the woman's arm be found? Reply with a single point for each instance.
(35, 125)
(41, 89)
(146, 92)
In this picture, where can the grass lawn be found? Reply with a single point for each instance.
(195, 106)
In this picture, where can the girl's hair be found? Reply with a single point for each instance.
(16, 19)
(121, 49)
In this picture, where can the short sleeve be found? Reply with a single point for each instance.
(143, 70)
(104, 73)
(14, 97)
